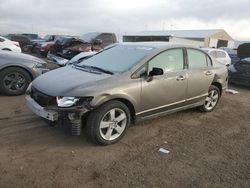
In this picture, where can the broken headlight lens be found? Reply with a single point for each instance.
(66, 101)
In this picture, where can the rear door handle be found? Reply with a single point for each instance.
(180, 78)
(208, 73)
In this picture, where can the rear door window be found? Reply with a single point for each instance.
(196, 59)
(221, 54)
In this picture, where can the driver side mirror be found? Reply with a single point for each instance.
(154, 72)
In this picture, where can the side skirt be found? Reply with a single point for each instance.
(170, 111)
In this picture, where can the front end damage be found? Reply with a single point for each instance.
(52, 108)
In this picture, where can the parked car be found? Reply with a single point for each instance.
(100, 39)
(41, 46)
(68, 47)
(239, 72)
(8, 45)
(243, 50)
(128, 82)
(46, 38)
(232, 54)
(220, 55)
(31, 36)
(21, 39)
(61, 43)
(17, 70)
(76, 59)
(85, 55)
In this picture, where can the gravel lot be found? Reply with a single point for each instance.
(206, 150)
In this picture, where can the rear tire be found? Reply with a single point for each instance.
(108, 123)
(14, 81)
(211, 100)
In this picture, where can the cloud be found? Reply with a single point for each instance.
(78, 17)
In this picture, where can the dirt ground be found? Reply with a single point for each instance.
(206, 150)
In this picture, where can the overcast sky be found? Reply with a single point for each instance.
(124, 16)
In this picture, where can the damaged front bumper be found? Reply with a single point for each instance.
(40, 111)
(71, 116)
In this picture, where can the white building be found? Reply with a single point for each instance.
(203, 38)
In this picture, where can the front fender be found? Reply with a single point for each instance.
(97, 101)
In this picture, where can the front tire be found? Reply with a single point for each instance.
(14, 81)
(211, 100)
(108, 123)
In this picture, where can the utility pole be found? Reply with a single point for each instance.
(32, 28)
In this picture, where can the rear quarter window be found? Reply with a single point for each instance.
(221, 54)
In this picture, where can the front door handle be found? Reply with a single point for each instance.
(208, 73)
(180, 78)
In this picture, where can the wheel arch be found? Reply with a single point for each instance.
(218, 85)
(123, 100)
(129, 105)
(16, 66)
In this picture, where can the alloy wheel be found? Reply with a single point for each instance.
(211, 100)
(113, 124)
(14, 81)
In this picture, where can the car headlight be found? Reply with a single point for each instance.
(66, 101)
(29, 89)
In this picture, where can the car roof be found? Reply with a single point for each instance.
(213, 49)
(158, 45)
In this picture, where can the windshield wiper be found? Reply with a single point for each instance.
(93, 67)
(81, 66)
(102, 70)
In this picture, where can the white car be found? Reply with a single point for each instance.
(6, 44)
(220, 55)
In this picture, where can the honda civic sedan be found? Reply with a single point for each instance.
(127, 83)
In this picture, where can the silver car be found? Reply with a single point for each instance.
(17, 70)
(127, 83)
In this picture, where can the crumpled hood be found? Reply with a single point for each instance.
(67, 81)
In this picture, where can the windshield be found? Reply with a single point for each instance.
(119, 58)
(88, 37)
